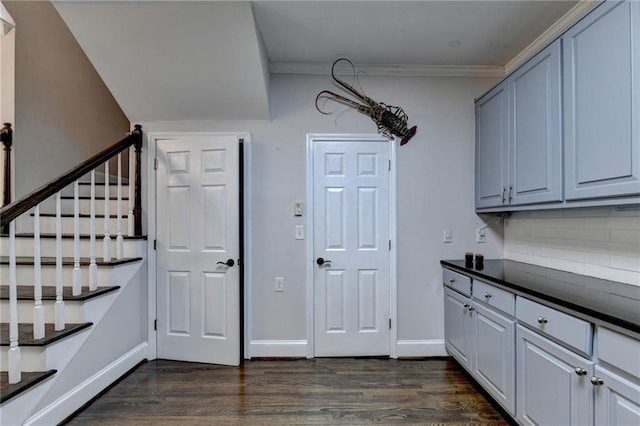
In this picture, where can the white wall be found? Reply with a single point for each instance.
(435, 176)
(601, 242)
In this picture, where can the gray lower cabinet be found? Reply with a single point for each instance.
(458, 326)
(494, 355)
(553, 383)
(617, 399)
(601, 103)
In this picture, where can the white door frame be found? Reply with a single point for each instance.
(151, 145)
(330, 137)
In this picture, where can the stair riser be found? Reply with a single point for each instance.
(66, 206)
(24, 247)
(74, 311)
(32, 358)
(85, 190)
(48, 225)
(25, 275)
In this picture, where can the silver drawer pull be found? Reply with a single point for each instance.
(466, 306)
(580, 371)
(487, 295)
(471, 308)
(542, 320)
(597, 381)
(451, 280)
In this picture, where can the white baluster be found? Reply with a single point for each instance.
(93, 267)
(106, 242)
(130, 217)
(59, 306)
(14, 358)
(77, 272)
(119, 238)
(38, 308)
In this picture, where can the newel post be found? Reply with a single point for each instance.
(6, 136)
(137, 206)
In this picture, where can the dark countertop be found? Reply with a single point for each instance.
(609, 301)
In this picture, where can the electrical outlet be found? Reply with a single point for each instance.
(447, 236)
(481, 236)
(278, 284)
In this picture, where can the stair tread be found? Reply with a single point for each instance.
(25, 292)
(84, 197)
(83, 215)
(29, 379)
(71, 236)
(66, 261)
(25, 333)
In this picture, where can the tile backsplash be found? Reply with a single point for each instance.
(602, 242)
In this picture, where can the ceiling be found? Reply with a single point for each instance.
(179, 60)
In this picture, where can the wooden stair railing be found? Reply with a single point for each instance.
(31, 202)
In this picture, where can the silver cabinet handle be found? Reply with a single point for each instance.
(466, 306)
(451, 280)
(487, 295)
(580, 371)
(510, 198)
(471, 308)
(542, 320)
(597, 381)
(502, 195)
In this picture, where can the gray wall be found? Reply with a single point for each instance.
(435, 176)
(64, 113)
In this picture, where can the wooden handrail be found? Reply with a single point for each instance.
(18, 207)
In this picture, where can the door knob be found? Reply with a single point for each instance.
(229, 263)
(320, 261)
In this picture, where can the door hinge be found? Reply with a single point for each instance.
(155, 324)
(389, 323)
(155, 244)
(155, 164)
(389, 245)
(389, 165)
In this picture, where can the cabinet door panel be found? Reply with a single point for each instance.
(494, 365)
(491, 147)
(617, 400)
(457, 326)
(549, 391)
(535, 135)
(601, 64)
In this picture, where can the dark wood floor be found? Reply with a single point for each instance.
(301, 392)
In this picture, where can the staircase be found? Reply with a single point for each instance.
(72, 301)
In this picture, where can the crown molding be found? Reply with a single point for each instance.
(565, 22)
(397, 70)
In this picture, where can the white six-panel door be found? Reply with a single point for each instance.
(351, 235)
(197, 234)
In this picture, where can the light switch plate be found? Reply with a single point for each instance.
(297, 208)
(447, 236)
(299, 232)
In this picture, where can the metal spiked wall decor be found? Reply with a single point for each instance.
(391, 120)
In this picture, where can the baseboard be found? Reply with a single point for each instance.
(278, 348)
(420, 348)
(76, 397)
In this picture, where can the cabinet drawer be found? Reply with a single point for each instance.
(457, 281)
(493, 296)
(569, 330)
(619, 351)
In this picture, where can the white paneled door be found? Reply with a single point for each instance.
(351, 247)
(198, 276)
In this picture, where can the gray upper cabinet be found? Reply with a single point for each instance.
(491, 147)
(535, 137)
(601, 107)
(518, 136)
